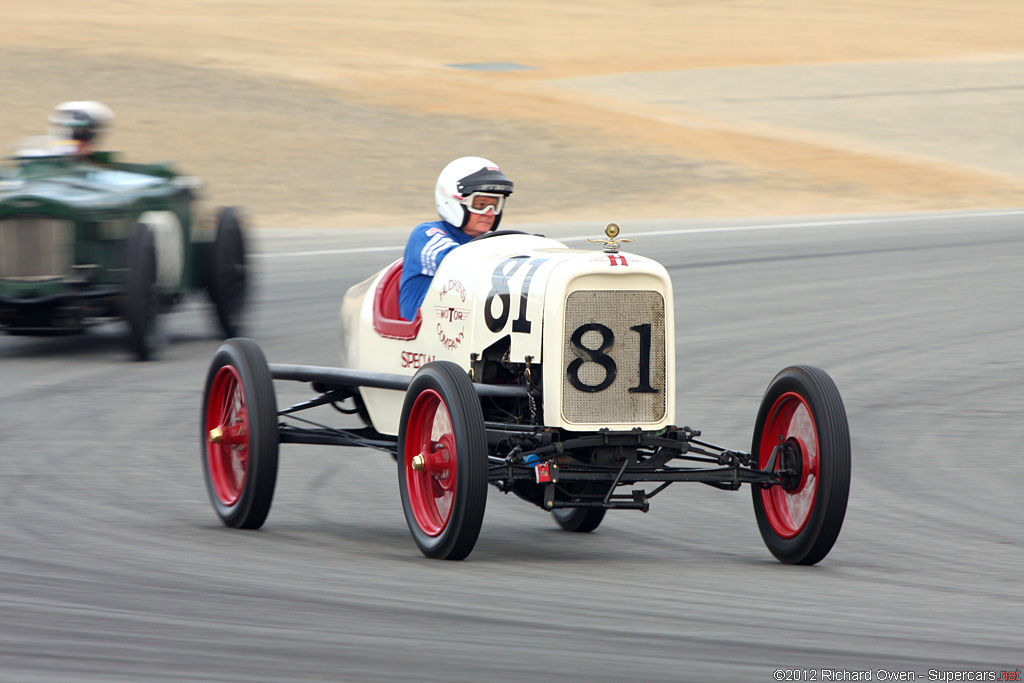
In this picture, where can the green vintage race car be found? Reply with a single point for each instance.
(86, 239)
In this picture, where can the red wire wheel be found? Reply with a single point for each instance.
(802, 433)
(791, 427)
(442, 461)
(227, 451)
(431, 473)
(239, 434)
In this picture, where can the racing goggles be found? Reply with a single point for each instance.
(482, 202)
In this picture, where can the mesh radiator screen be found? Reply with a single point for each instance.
(35, 247)
(613, 357)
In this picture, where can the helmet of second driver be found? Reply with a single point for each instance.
(80, 121)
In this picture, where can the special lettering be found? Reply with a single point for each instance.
(412, 359)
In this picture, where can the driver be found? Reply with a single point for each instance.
(76, 126)
(470, 195)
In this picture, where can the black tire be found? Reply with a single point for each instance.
(229, 281)
(579, 520)
(803, 413)
(141, 296)
(444, 512)
(240, 462)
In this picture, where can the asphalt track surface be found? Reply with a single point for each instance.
(114, 567)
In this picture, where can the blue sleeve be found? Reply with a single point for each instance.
(427, 246)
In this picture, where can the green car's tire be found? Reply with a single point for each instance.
(141, 295)
(229, 281)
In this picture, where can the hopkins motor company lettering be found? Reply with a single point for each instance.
(450, 342)
(456, 287)
(451, 328)
(452, 315)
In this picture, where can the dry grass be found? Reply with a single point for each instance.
(338, 113)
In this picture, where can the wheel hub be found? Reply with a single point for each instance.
(794, 462)
(430, 472)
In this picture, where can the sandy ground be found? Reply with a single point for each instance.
(333, 113)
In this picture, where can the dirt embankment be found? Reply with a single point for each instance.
(320, 113)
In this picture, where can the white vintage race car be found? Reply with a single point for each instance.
(541, 370)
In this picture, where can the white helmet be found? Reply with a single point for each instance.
(464, 177)
(80, 121)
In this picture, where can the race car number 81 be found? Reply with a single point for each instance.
(500, 291)
(586, 354)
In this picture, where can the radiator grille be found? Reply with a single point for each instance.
(614, 341)
(34, 247)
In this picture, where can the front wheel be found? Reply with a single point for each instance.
(239, 434)
(442, 461)
(802, 422)
(142, 294)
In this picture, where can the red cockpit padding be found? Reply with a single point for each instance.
(387, 320)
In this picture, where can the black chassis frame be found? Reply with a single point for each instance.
(71, 312)
(515, 450)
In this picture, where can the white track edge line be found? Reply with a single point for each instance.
(694, 231)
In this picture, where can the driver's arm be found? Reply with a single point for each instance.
(423, 254)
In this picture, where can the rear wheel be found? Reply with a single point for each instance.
(142, 296)
(802, 422)
(442, 461)
(228, 273)
(239, 434)
(580, 520)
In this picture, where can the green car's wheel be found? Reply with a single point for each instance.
(229, 286)
(141, 296)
